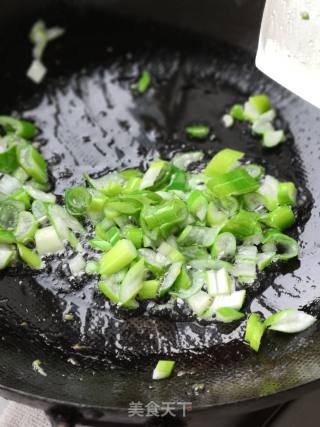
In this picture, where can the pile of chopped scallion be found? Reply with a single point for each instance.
(198, 236)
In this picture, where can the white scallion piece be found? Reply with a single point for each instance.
(47, 241)
(218, 282)
(77, 265)
(290, 321)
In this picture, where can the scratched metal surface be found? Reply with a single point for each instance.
(91, 121)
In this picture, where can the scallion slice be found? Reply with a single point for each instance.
(163, 369)
(132, 283)
(254, 331)
(224, 247)
(78, 200)
(47, 241)
(30, 257)
(184, 160)
(198, 131)
(36, 194)
(289, 321)
(228, 315)
(218, 282)
(143, 83)
(120, 255)
(6, 255)
(169, 278)
(77, 265)
(223, 162)
(26, 227)
(199, 302)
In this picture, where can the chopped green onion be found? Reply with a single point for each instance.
(143, 83)
(102, 228)
(305, 16)
(197, 235)
(254, 331)
(265, 259)
(9, 184)
(272, 138)
(218, 282)
(170, 252)
(269, 191)
(33, 163)
(290, 321)
(30, 257)
(255, 171)
(198, 131)
(62, 221)
(26, 227)
(183, 281)
(21, 196)
(20, 128)
(237, 112)
(132, 185)
(8, 159)
(134, 234)
(170, 212)
(9, 214)
(169, 278)
(227, 120)
(285, 246)
(110, 290)
(6, 255)
(224, 247)
(100, 245)
(163, 369)
(39, 211)
(154, 261)
(197, 204)
(223, 162)
(110, 184)
(245, 264)
(78, 200)
(287, 193)
(261, 103)
(92, 267)
(36, 194)
(236, 182)
(47, 241)
(119, 256)
(149, 289)
(281, 218)
(199, 302)
(113, 235)
(157, 173)
(77, 265)
(228, 315)
(244, 224)
(235, 300)
(7, 237)
(132, 283)
(184, 160)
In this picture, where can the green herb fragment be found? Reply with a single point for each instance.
(228, 315)
(78, 200)
(198, 131)
(163, 369)
(143, 83)
(254, 331)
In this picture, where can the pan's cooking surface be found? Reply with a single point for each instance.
(91, 121)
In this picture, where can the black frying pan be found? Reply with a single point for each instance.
(202, 62)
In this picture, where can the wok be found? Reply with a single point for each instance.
(201, 57)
